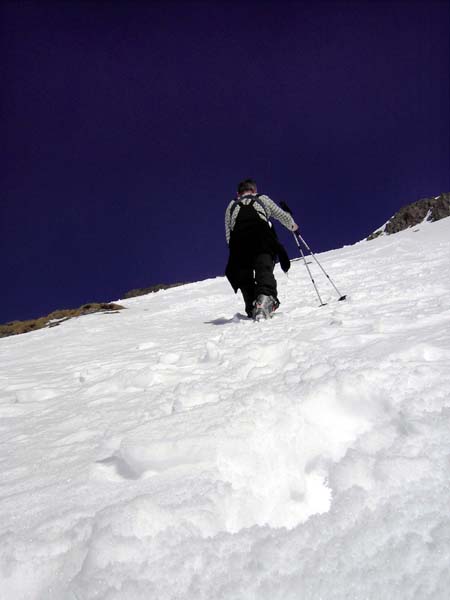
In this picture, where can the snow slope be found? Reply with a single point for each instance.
(174, 452)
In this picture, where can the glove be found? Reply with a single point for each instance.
(285, 263)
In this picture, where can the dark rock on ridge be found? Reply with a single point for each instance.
(415, 213)
(152, 288)
(57, 317)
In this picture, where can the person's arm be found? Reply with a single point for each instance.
(228, 223)
(273, 210)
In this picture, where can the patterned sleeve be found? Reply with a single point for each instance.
(273, 210)
(228, 223)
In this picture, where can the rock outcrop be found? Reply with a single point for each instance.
(151, 289)
(57, 317)
(429, 209)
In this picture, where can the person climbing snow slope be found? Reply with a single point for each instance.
(254, 248)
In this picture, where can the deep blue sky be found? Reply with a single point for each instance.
(125, 127)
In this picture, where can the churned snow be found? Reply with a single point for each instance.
(178, 451)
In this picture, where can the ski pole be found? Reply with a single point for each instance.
(309, 270)
(341, 297)
(298, 239)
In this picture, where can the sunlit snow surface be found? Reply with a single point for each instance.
(172, 451)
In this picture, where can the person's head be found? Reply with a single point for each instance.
(247, 186)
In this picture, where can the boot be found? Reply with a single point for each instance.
(264, 307)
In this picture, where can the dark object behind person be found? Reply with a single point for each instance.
(254, 248)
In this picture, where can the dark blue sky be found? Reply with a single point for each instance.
(125, 127)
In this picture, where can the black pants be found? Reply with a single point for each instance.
(257, 278)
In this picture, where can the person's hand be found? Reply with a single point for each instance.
(294, 227)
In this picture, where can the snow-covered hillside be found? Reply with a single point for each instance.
(172, 451)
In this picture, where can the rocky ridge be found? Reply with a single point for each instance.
(426, 209)
(59, 316)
